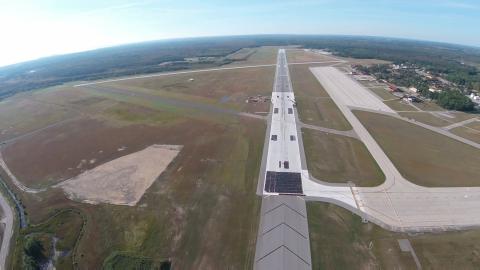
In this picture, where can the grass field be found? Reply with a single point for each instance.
(426, 118)
(142, 105)
(300, 55)
(125, 260)
(429, 106)
(242, 54)
(382, 93)
(422, 156)
(474, 125)
(225, 88)
(201, 213)
(339, 159)
(364, 62)
(454, 117)
(398, 105)
(467, 133)
(339, 240)
(266, 55)
(25, 113)
(313, 103)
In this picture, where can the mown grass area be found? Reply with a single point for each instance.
(382, 93)
(241, 54)
(399, 105)
(429, 106)
(422, 156)
(474, 125)
(339, 159)
(265, 55)
(339, 240)
(223, 88)
(313, 103)
(455, 117)
(467, 133)
(426, 118)
(300, 55)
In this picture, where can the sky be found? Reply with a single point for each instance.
(38, 28)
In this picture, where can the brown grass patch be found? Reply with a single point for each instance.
(65, 151)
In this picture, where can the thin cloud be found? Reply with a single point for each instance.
(113, 8)
(461, 5)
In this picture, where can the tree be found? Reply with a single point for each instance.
(454, 100)
(33, 253)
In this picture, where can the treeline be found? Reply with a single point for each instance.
(401, 77)
(111, 62)
(451, 99)
(146, 58)
(33, 254)
(444, 60)
(454, 100)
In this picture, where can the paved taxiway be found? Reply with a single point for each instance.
(398, 204)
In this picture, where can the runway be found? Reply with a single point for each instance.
(283, 239)
(396, 205)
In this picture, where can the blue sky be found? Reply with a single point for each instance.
(37, 28)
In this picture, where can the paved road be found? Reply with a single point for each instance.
(7, 219)
(398, 204)
(14, 179)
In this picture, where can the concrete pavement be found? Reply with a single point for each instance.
(283, 240)
(398, 204)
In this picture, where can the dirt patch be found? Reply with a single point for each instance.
(121, 181)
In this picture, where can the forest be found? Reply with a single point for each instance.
(147, 57)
